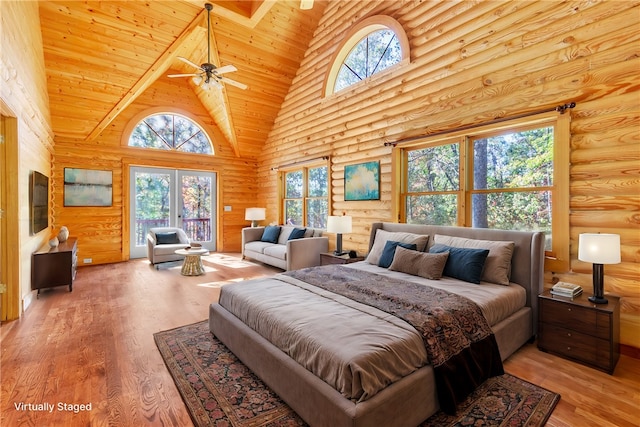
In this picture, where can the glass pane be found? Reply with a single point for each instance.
(318, 185)
(152, 203)
(384, 51)
(438, 209)
(143, 136)
(527, 211)
(317, 212)
(162, 124)
(516, 160)
(198, 143)
(433, 169)
(196, 207)
(357, 59)
(293, 212)
(293, 185)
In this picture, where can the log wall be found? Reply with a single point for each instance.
(472, 62)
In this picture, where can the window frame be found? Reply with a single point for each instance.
(143, 115)
(558, 258)
(304, 168)
(353, 37)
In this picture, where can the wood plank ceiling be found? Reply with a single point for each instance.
(100, 55)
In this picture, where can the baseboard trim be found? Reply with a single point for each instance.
(630, 351)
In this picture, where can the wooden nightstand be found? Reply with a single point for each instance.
(327, 258)
(580, 330)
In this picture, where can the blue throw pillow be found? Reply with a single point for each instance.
(464, 264)
(169, 238)
(390, 250)
(270, 234)
(297, 233)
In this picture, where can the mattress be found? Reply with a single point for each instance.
(355, 348)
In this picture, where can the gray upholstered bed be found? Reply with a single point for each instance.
(411, 395)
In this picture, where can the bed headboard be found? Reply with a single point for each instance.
(527, 262)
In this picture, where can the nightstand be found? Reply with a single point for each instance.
(327, 258)
(580, 330)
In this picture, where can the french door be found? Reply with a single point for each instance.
(172, 198)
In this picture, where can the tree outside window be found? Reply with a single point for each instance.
(167, 131)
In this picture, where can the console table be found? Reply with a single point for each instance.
(55, 266)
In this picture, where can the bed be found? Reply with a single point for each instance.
(250, 311)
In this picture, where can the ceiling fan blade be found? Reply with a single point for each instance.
(233, 83)
(186, 61)
(183, 75)
(226, 69)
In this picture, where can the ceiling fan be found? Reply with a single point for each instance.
(208, 74)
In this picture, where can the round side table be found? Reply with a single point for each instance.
(192, 265)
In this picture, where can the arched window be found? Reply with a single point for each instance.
(372, 46)
(170, 131)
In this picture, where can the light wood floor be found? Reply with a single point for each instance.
(95, 346)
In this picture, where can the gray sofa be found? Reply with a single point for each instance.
(285, 254)
(163, 249)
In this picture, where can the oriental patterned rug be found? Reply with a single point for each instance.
(219, 390)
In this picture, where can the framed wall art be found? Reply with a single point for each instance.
(88, 187)
(362, 181)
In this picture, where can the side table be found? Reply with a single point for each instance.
(192, 265)
(580, 330)
(327, 258)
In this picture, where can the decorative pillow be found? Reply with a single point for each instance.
(390, 250)
(464, 264)
(297, 233)
(420, 240)
(168, 238)
(270, 234)
(497, 268)
(423, 264)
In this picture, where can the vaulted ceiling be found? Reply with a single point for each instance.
(101, 55)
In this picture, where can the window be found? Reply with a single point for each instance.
(504, 177)
(169, 131)
(306, 196)
(374, 45)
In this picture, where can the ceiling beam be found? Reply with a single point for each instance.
(159, 67)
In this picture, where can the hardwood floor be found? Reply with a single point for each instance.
(95, 346)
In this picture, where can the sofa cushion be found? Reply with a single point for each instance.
(167, 238)
(257, 246)
(285, 232)
(297, 233)
(276, 251)
(168, 249)
(270, 234)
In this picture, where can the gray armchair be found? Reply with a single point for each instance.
(162, 242)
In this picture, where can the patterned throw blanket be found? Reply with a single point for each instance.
(459, 342)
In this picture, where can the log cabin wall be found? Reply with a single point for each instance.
(103, 232)
(28, 145)
(472, 62)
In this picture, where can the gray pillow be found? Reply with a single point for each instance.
(497, 266)
(420, 240)
(423, 264)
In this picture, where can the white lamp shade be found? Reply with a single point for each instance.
(255, 214)
(599, 248)
(339, 224)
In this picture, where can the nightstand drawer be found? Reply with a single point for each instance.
(581, 319)
(570, 343)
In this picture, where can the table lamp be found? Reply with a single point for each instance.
(339, 225)
(254, 215)
(599, 249)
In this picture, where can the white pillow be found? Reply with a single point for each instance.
(420, 240)
(497, 267)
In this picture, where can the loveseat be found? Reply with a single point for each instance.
(285, 251)
(162, 243)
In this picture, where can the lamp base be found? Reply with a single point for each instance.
(598, 300)
(340, 253)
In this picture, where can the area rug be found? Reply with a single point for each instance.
(219, 390)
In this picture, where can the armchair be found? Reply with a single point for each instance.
(162, 242)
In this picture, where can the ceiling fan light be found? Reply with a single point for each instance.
(197, 80)
(306, 4)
